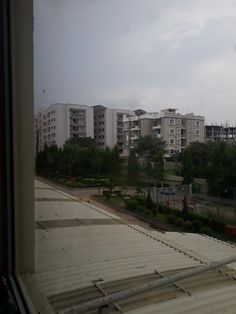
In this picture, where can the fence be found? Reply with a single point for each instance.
(173, 196)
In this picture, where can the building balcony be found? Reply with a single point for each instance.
(134, 137)
(135, 128)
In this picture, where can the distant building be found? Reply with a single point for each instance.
(220, 133)
(108, 126)
(177, 130)
(135, 126)
(60, 122)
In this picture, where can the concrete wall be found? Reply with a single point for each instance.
(146, 127)
(200, 185)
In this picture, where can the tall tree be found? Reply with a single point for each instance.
(150, 151)
(133, 168)
(81, 141)
(199, 154)
(187, 167)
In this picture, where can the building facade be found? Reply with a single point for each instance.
(176, 130)
(220, 133)
(136, 126)
(108, 126)
(59, 122)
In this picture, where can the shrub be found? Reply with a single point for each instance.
(218, 226)
(171, 219)
(132, 205)
(107, 194)
(59, 180)
(117, 192)
(179, 222)
(80, 185)
(164, 209)
(148, 212)
(188, 225)
(141, 200)
(141, 209)
(161, 208)
(197, 225)
(88, 181)
(104, 181)
(206, 230)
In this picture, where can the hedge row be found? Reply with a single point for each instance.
(78, 182)
(188, 221)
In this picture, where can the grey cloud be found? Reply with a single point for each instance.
(136, 53)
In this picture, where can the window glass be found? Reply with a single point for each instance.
(128, 189)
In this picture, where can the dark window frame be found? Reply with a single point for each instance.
(7, 217)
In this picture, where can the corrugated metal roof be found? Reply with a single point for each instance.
(70, 258)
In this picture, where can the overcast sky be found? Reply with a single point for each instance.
(147, 54)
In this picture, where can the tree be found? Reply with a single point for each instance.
(185, 206)
(221, 169)
(199, 154)
(149, 202)
(187, 167)
(48, 161)
(148, 146)
(81, 141)
(150, 151)
(115, 164)
(132, 168)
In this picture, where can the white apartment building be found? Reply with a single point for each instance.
(108, 126)
(60, 122)
(176, 130)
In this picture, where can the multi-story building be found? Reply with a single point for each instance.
(60, 122)
(108, 126)
(135, 126)
(176, 130)
(220, 133)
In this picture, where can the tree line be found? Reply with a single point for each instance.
(80, 157)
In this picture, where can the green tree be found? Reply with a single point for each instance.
(222, 168)
(81, 141)
(150, 151)
(148, 147)
(149, 202)
(187, 169)
(199, 154)
(133, 168)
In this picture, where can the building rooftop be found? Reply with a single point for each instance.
(83, 252)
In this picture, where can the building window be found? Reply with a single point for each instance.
(178, 131)
(179, 121)
(197, 132)
(172, 121)
(178, 141)
(171, 141)
(172, 131)
(197, 123)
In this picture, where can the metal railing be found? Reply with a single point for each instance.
(118, 296)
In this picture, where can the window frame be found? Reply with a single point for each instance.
(7, 195)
